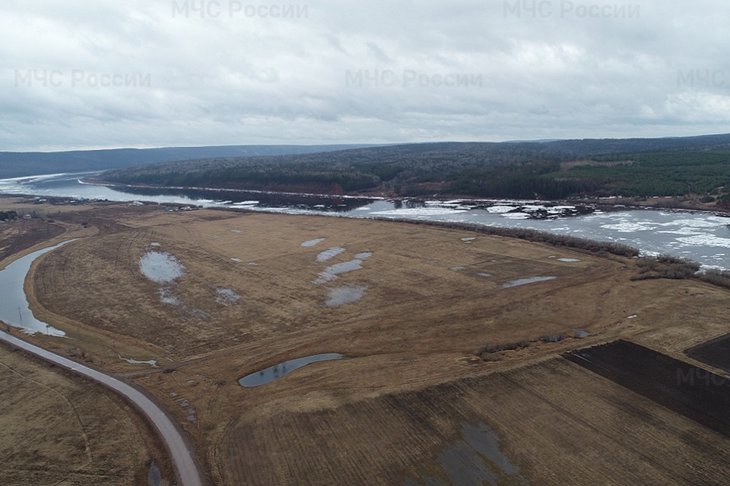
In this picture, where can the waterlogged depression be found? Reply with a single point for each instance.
(703, 237)
(280, 370)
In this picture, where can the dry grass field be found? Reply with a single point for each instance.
(411, 403)
(55, 429)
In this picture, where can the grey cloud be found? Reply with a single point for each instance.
(343, 71)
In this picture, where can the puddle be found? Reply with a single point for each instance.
(526, 281)
(485, 275)
(154, 244)
(330, 254)
(154, 476)
(568, 260)
(344, 295)
(14, 308)
(227, 296)
(330, 273)
(477, 459)
(237, 260)
(311, 243)
(364, 255)
(160, 267)
(468, 240)
(280, 370)
(580, 334)
(166, 297)
(632, 316)
(192, 414)
(152, 362)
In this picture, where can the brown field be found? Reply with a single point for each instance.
(55, 429)
(411, 401)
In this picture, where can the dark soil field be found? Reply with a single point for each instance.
(715, 353)
(688, 390)
(551, 423)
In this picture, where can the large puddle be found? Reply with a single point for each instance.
(344, 295)
(330, 273)
(161, 267)
(475, 459)
(14, 307)
(330, 253)
(282, 369)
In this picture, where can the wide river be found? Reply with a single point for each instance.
(700, 236)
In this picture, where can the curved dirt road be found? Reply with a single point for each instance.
(182, 458)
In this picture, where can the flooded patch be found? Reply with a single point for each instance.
(14, 307)
(280, 370)
(330, 254)
(330, 273)
(468, 240)
(477, 459)
(580, 334)
(226, 296)
(154, 476)
(161, 267)
(485, 275)
(314, 242)
(364, 255)
(237, 260)
(192, 414)
(568, 260)
(526, 281)
(166, 297)
(344, 295)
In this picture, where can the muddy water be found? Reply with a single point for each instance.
(280, 370)
(14, 307)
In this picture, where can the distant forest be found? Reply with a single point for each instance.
(544, 170)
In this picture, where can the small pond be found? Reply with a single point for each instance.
(280, 370)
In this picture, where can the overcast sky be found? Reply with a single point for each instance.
(110, 73)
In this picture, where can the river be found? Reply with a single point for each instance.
(700, 236)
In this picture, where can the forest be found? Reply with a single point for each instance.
(526, 170)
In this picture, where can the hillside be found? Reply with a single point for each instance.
(547, 170)
(18, 164)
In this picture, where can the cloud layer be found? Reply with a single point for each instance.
(102, 73)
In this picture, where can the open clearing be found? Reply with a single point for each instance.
(411, 403)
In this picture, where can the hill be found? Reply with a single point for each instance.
(18, 164)
(546, 170)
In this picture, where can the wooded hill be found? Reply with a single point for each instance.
(19, 164)
(546, 170)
